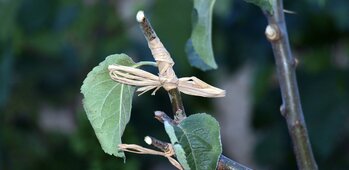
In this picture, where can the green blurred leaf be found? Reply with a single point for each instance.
(223, 8)
(323, 98)
(35, 16)
(108, 103)
(199, 46)
(199, 137)
(320, 3)
(8, 12)
(46, 42)
(175, 34)
(265, 5)
(6, 69)
(322, 57)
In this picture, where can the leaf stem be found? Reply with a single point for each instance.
(145, 63)
(291, 108)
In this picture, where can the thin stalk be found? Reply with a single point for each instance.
(291, 108)
(145, 63)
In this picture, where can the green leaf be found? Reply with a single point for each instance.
(199, 46)
(108, 103)
(265, 5)
(199, 137)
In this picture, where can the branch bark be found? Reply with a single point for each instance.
(164, 146)
(291, 108)
(225, 163)
(162, 117)
(177, 105)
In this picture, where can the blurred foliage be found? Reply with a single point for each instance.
(265, 5)
(199, 46)
(48, 47)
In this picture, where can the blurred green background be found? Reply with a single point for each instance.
(48, 47)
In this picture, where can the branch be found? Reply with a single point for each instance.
(162, 117)
(164, 146)
(225, 163)
(163, 65)
(291, 108)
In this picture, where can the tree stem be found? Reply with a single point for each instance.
(291, 108)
